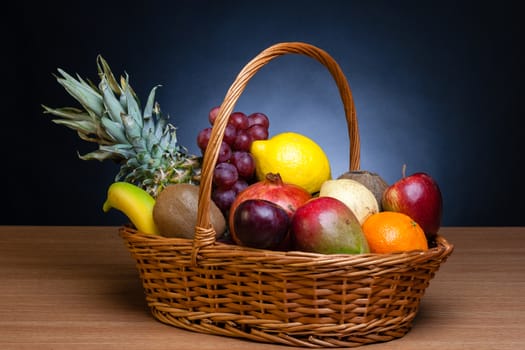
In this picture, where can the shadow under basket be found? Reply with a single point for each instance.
(291, 298)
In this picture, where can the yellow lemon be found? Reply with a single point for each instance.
(297, 158)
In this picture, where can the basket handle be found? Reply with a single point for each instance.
(204, 232)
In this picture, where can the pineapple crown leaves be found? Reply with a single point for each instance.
(144, 143)
(112, 118)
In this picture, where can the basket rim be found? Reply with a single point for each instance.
(221, 250)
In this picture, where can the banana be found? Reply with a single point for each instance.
(135, 203)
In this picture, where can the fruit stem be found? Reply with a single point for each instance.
(403, 170)
(274, 178)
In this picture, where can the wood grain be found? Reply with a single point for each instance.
(77, 288)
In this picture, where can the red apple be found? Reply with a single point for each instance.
(326, 225)
(419, 197)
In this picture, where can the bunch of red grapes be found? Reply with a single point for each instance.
(235, 168)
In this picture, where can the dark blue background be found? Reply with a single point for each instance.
(437, 84)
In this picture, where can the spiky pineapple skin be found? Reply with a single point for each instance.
(153, 176)
(144, 143)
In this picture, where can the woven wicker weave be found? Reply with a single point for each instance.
(291, 298)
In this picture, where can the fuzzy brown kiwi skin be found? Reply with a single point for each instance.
(175, 212)
(375, 183)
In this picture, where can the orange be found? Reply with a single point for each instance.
(388, 232)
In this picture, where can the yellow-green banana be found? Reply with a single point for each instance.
(135, 203)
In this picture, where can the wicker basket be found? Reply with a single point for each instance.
(292, 298)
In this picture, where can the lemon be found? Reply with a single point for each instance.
(297, 158)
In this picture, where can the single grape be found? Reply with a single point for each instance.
(230, 133)
(225, 175)
(244, 163)
(258, 119)
(243, 141)
(239, 120)
(225, 153)
(203, 138)
(223, 198)
(240, 185)
(258, 132)
(214, 112)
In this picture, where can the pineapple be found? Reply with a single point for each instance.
(143, 143)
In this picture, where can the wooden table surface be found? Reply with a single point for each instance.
(77, 288)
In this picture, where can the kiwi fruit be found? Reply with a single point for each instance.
(175, 212)
(372, 181)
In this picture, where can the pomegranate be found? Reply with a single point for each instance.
(288, 196)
